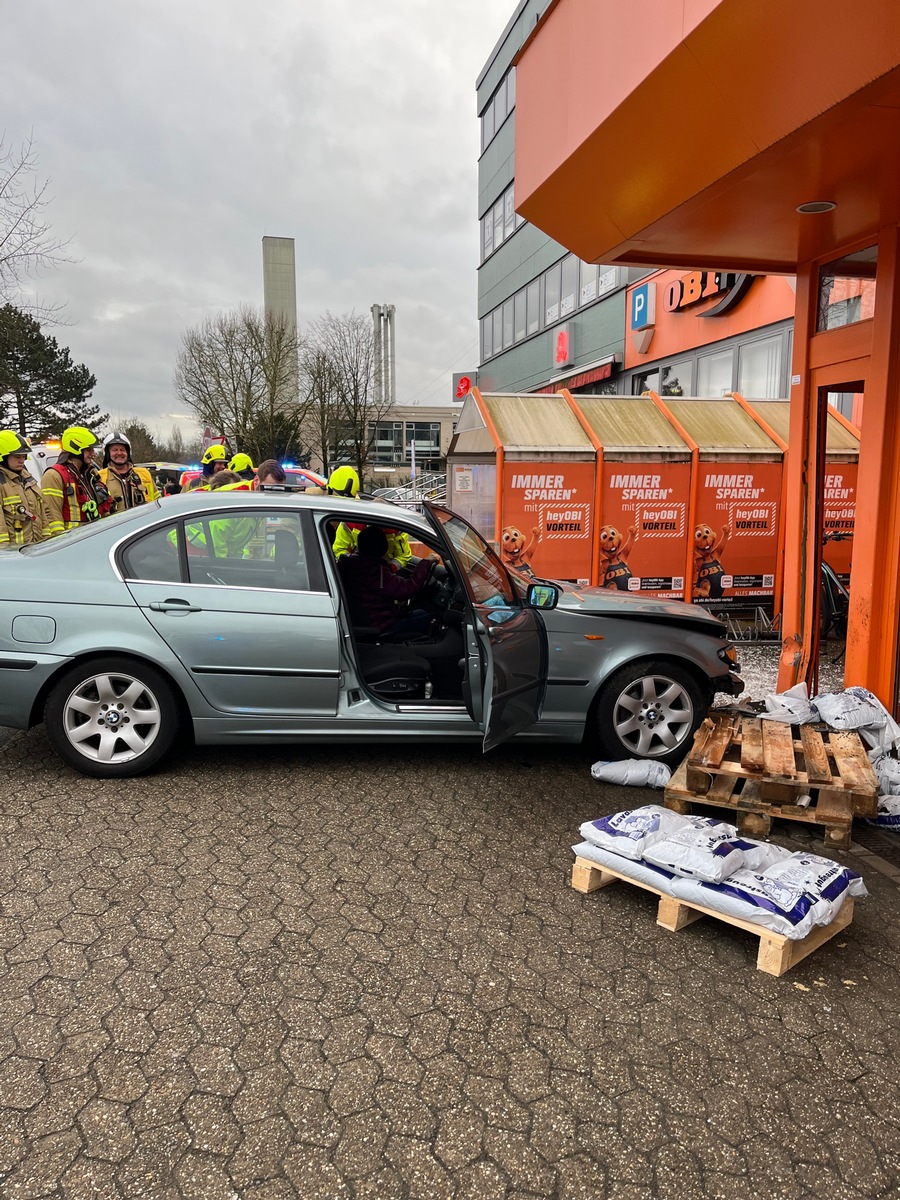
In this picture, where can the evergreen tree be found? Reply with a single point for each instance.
(42, 391)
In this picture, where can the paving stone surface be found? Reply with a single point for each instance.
(360, 972)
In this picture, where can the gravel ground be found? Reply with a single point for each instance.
(759, 668)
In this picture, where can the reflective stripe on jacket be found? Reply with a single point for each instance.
(68, 500)
(134, 487)
(23, 509)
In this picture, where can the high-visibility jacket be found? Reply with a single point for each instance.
(347, 535)
(136, 486)
(69, 499)
(23, 517)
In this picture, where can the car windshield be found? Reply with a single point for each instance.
(89, 529)
(487, 581)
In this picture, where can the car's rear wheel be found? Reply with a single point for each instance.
(649, 710)
(112, 717)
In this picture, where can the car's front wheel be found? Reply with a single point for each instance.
(112, 717)
(649, 710)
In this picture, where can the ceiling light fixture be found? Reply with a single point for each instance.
(817, 206)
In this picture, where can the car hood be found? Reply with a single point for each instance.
(595, 601)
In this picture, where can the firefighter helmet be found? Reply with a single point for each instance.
(11, 443)
(76, 439)
(241, 463)
(115, 439)
(214, 453)
(343, 481)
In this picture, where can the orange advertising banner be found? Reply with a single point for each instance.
(735, 539)
(644, 531)
(547, 520)
(839, 512)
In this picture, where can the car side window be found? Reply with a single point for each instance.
(486, 580)
(153, 557)
(247, 549)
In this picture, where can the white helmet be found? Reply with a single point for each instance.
(115, 439)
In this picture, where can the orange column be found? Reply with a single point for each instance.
(802, 474)
(875, 584)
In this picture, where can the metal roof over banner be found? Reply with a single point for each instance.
(687, 133)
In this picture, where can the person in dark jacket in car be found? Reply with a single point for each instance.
(374, 591)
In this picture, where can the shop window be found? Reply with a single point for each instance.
(507, 323)
(675, 379)
(847, 290)
(519, 323)
(533, 307)
(569, 285)
(552, 279)
(648, 381)
(715, 373)
(759, 369)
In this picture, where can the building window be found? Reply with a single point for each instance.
(498, 330)
(507, 323)
(499, 222)
(759, 368)
(533, 307)
(675, 379)
(715, 373)
(648, 381)
(520, 323)
(427, 437)
(498, 108)
(387, 443)
(551, 294)
(589, 273)
(486, 330)
(847, 289)
(569, 285)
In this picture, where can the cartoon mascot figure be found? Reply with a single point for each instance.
(516, 550)
(708, 570)
(614, 551)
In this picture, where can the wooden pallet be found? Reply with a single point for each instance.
(777, 954)
(761, 769)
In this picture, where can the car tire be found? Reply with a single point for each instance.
(112, 717)
(649, 710)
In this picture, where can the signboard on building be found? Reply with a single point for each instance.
(547, 517)
(643, 538)
(735, 539)
(463, 382)
(564, 345)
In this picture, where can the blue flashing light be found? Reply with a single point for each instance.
(288, 465)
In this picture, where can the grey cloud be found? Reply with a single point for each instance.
(177, 134)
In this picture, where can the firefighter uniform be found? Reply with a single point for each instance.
(21, 502)
(71, 493)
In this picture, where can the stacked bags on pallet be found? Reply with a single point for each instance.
(707, 862)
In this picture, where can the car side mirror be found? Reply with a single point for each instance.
(542, 595)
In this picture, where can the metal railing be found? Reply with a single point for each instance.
(412, 494)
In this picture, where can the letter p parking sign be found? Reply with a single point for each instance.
(643, 306)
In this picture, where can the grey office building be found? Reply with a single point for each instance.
(547, 320)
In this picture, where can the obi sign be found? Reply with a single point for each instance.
(690, 289)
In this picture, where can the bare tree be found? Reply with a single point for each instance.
(322, 420)
(238, 373)
(27, 242)
(351, 408)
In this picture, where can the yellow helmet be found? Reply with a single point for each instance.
(214, 453)
(241, 462)
(76, 439)
(11, 443)
(343, 481)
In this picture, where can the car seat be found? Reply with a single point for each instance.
(394, 672)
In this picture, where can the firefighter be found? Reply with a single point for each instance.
(73, 491)
(127, 484)
(344, 481)
(214, 459)
(242, 464)
(20, 497)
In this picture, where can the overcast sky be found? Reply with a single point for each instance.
(177, 133)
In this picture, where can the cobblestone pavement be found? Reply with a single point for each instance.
(333, 973)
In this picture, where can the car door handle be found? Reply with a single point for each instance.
(173, 606)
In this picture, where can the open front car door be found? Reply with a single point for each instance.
(505, 640)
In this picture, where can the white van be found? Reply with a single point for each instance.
(41, 456)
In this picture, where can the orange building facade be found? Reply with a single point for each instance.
(730, 138)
